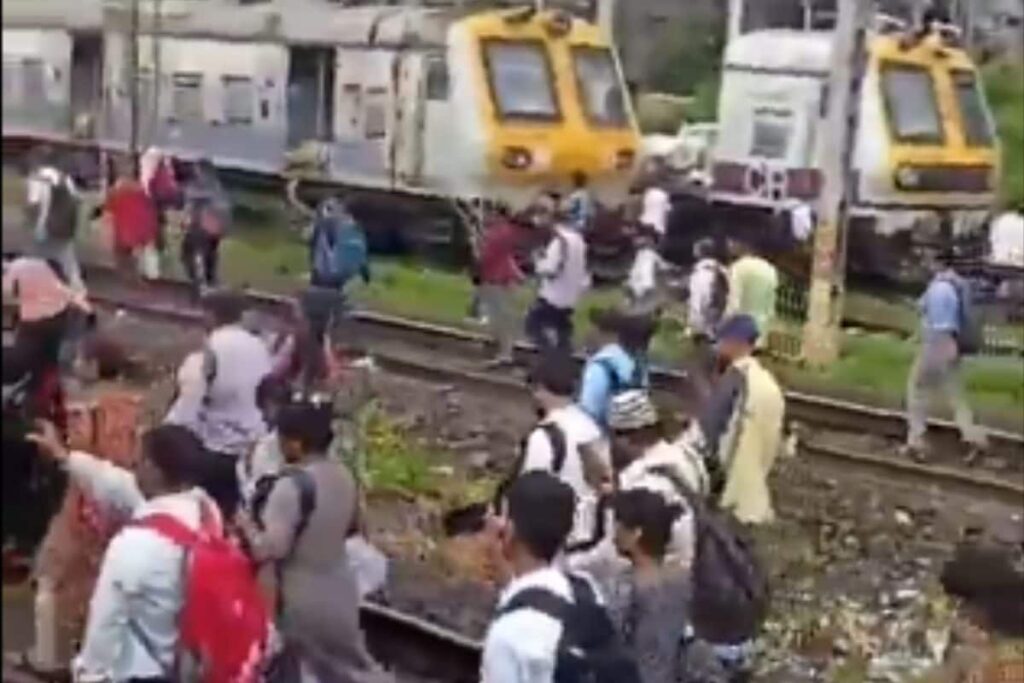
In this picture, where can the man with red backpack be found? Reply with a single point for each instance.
(175, 600)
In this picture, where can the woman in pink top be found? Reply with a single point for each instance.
(44, 301)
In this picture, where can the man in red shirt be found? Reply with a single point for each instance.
(500, 275)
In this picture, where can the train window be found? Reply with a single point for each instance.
(33, 80)
(187, 97)
(12, 91)
(375, 122)
(437, 78)
(911, 103)
(771, 134)
(973, 113)
(521, 78)
(600, 86)
(239, 96)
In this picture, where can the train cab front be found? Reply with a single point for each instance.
(942, 152)
(552, 106)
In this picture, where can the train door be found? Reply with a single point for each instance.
(411, 77)
(86, 83)
(310, 94)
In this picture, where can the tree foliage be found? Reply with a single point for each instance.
(1004, 86)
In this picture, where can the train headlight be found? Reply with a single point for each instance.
(907, 178)
(624, 159)
(516, 158)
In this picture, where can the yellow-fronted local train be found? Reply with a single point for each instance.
(926, 151)
(444, 104)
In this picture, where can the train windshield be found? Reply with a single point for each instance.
(976, 122)
(911, 102)
(521, 80)
(600, 88)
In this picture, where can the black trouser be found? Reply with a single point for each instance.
(702, 367)
(199, 252)
(323, 308)
(549, 327)
(38, 344)
(220, 481)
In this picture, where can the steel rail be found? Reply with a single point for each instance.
(821, 413)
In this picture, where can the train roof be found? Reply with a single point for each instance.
(782, 50)
(290, 21)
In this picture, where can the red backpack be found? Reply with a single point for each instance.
(224, 623)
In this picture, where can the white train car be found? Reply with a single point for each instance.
(440, 103)
(926, 144)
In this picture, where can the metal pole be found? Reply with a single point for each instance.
(157, 69)
(735, 27)
(133, 74)
(828, 271)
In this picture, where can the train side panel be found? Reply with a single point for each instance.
(36, 82)
(220, 100)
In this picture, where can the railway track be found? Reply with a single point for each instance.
(439, 354)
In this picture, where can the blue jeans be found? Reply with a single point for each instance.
(549, 327)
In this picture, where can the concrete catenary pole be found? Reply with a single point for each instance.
(133, 84)
(821, 333)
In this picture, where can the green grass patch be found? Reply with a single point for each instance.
(394, 460)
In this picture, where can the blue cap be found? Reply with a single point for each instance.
(740, 327)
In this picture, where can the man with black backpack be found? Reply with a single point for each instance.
(296, 528)
(53, 206)
(950, 330)
(619, 365)
(550, 627)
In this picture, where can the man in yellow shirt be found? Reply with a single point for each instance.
(753, 288)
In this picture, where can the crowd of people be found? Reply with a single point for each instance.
(622, 538)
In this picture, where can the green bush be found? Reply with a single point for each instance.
(1004, 85)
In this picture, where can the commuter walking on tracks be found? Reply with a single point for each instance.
(562, 269)
(949, 331)
(740, 430)
(500, 275)
(208, 215)
(753, 288)
(53, 204)
(297, 531)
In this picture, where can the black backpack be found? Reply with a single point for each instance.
(559, 451)
(970, 338)
(730, 587)
(590, 650)
(62, 212)
(307, 502)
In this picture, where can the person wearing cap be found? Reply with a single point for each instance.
(739, 431)
(619, 364)
(753, 287)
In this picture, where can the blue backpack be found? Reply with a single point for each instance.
(339, 252)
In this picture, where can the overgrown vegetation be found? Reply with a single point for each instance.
(1004, 85)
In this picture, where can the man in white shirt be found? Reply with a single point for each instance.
(645, 459)
(1006, 238)
(643, 292)
(657, 205)
(521, 645)
(217, 396)
(39, 190)
(132, 630)
(564, 279)
(567, 442)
